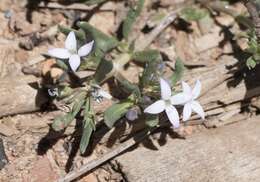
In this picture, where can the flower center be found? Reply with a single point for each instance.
(73, 51)
(168, 102)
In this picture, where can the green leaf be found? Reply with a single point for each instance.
(251, 63)
(145, 56)
(152, 72)
(87, 131)
(90, 63)
(116, 111)
(245, 21)
(193, 14)
(178, 73)
(91, 2)
(132, 14)
(61, 64)
(256, 56)
(156, 18)
(89, 126)
(103, 42)
(151, 120)
(80, 35)
(61, 122)
(128, 86)
(252, 46)
(104, 71)
(64, 91)
(78, 103)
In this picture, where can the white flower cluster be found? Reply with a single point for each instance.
(187, 98)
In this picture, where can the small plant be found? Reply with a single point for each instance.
(253, 49)
(107, 57)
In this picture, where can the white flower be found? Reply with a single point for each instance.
(70, 51)
(191, 104)
(104, 94)
(53, 92)
(166, 104)
(98, 93)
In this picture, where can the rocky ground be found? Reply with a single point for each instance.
(28, 29)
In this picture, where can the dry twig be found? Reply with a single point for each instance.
(95, 163)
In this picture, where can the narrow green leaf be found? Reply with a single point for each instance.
(116, 111)
(128, 86)
(90, 63)
(104, 71)
(64, 91)
(132, 14)
(91, 2)
(78, 103)
(61, 122)
(87, 131)
(251, 63)
(145, 56)
(61, 64)
(151, 120)
(80, 35)
(245, 21)
(103, 42)
(178, 72)
(152, 72)
(193, 14)
(89, 126)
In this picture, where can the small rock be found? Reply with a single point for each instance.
(18, 23)
(89, 178)
(21, 56)
(56, 73)
(36, 123)
(225, 20)
(42, 171)
(29, 42)
(107, 19)
(206, 24)
(6, 130)
(208, 41)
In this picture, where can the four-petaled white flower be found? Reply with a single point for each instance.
(166, 104)
(70, 51)
(190, 103)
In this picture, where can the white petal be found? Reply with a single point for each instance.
(156, 107)
(180, 99)
(196, 90)
(104, 94)
(59, 53)
(186, 88)
(165, 89)
(187, 111)
(71, 42)
(173, 116)
(198, 109)
(86, 49)
(74, 62)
